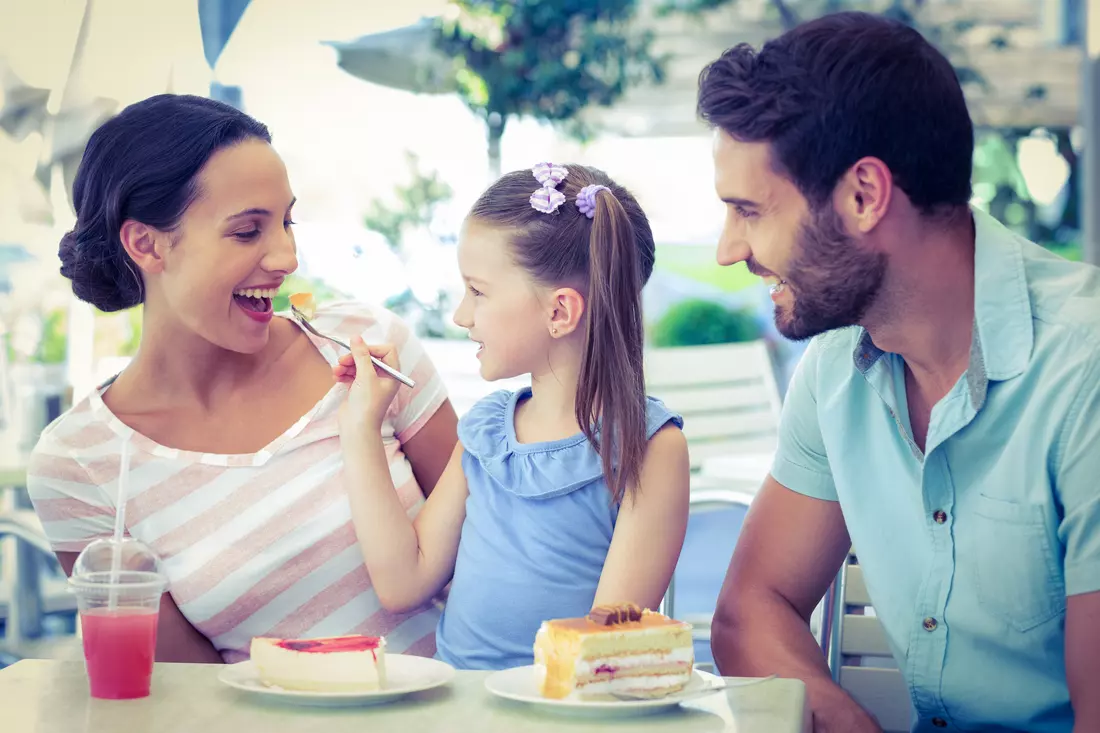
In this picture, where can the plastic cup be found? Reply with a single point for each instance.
(119, 611)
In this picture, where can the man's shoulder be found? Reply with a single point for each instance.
(1065, 295)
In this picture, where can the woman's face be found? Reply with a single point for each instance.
(232, 250)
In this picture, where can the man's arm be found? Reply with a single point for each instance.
(792, 543)
(791, 547)
(1077, 487)
(1083, 659)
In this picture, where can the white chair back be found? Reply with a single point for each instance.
(730, 403)
(458, 366)
(726, 393)
(859, 654)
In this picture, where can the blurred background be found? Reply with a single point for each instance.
(392, 117)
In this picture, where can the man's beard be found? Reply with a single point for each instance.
(833, 281)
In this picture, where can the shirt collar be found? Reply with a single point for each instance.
(1003, 332)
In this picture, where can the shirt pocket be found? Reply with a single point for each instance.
(1018, 578)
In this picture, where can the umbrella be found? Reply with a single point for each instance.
(67, 136)
(217, 21)
(403, 58)
(24, 107)
(101, 81)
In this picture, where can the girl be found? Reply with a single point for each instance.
(565, 495)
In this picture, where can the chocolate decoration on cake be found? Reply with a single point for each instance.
(612, 615)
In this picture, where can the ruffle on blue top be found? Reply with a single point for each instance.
(537, 470)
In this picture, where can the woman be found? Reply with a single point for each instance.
(236, 474)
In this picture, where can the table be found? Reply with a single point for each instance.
(48, 696)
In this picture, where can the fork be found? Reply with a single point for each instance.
(301, 319)
(718, 686)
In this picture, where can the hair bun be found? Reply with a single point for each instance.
(98, 271)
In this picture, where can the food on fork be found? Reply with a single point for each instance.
(614, 650)
(305, 304)
(333, 664)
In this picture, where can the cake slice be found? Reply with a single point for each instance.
(617, 649)
(334, 664)
(305, 304)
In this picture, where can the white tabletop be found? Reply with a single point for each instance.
(52, 697)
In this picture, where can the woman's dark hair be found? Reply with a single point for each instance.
(141, 165)
(609, 258)
(845, 86)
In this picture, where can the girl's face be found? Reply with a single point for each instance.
(505, 311)
(232, 250)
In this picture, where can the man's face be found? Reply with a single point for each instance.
(821, 278)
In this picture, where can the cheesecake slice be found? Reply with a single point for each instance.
(618, 649)
(305, 304)
(334, 664)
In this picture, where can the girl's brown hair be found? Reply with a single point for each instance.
(608, 258)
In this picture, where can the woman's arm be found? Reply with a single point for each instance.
(177, 639)
(650, 529)
(429, 451)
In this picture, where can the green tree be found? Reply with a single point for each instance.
(416, 204)
(548, 59)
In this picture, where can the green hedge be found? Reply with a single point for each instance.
(700, 322)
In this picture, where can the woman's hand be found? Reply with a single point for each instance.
(372, 390)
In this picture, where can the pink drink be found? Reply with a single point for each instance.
(119, 647)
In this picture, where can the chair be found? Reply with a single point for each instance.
(726, 393)
(730, 403)
(27, 594)
(852, 637)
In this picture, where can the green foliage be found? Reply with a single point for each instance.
(416, 204)
(53, 348)
(701, 322)
(130, 347)
(548, 59)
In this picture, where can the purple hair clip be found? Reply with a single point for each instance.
(547, 199)
(586, 199)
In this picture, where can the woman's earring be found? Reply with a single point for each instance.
(554, 331)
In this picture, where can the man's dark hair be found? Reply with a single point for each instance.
(839, 88)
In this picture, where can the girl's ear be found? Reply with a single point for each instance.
(566, 312)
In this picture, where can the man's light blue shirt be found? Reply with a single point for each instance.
(998, 519)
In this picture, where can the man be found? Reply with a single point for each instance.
(944, 421)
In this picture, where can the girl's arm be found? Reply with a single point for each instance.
(409, 561)
(650, 529)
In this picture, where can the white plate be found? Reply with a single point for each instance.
(519, 684)
(405, 674)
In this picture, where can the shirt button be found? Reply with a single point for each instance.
(939, 722)
(930, 624)
(940, 516)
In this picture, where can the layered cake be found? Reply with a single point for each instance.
(335, 664)
(617, 649)
(305, 304)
